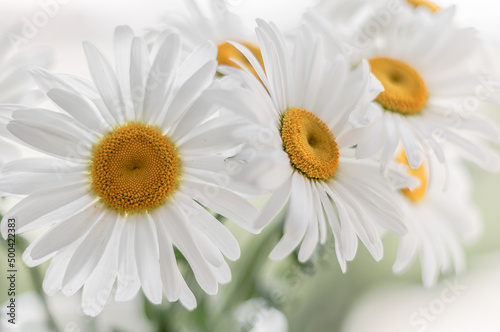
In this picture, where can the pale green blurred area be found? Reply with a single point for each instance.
(315, 297)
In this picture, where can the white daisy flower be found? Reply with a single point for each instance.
(214, 22)
(135, 163)
(304, 147)
(431, 90)
(438, 222)
(16, 85)
(345, 15)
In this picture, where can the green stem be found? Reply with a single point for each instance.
(243, 286)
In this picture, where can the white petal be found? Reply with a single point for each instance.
(106, 82)
(175, 222)
(46, 139)
(57, 268)
(79, 109)
(64, 233)
(189, 92)
(147, 258)
(47, 81)
(203, 54)
(169, 271)
(187, 297)
(35, 206)
(296, 219)
(127, 283)
(334, 222)
(412, 148)
(391, 143)
(26, 184)
(365, 228)
(43, 165)
(372, 140)
(217, 139)
(161, 78)
(139, 68)
(348, 234)
(222, 201)
(274, 205)
(311, 237)
(210, 226)
(123, 38)
(100, 283)
(88, 254)
(196, 114)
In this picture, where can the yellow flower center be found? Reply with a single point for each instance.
(405, 91)
(427, 4)
(421, 173)
(134, 169)
(309, 143)
(226, 51)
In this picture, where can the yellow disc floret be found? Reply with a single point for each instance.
(309, 143)
(134, 169)
(226, 52)
(405, 91)
(416, 194)
(427, 4)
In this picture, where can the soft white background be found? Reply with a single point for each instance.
(385, 310)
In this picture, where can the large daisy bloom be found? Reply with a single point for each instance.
(214, 22)
(438, 222)
(431, 90)
(135, 161)
(303, 150)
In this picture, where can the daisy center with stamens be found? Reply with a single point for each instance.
(405, 91)
(135, 168)
(309, 144)
(226, 52)
(416, 194)
(428, 4)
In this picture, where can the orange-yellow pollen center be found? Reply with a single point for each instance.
(309, 144)
(405, 91)
(134, 169)
(416, 194)
(226, 52)
(428, 4)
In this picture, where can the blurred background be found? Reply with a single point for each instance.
(315, 297)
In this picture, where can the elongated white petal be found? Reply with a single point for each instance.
(169, 271)
(224, 202)
(88, 254)
(100, 283)
(297, 218)
(127, 282)
(106, 82)
(39, 204)
(210, 226)
(147, 259)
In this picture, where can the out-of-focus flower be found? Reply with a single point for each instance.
(136, 160)
(430, 86)
(16, 84)
(214, 22)
(438, 222)
(303, 147)
(459, 304)
(256, 315)
(126, 316)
